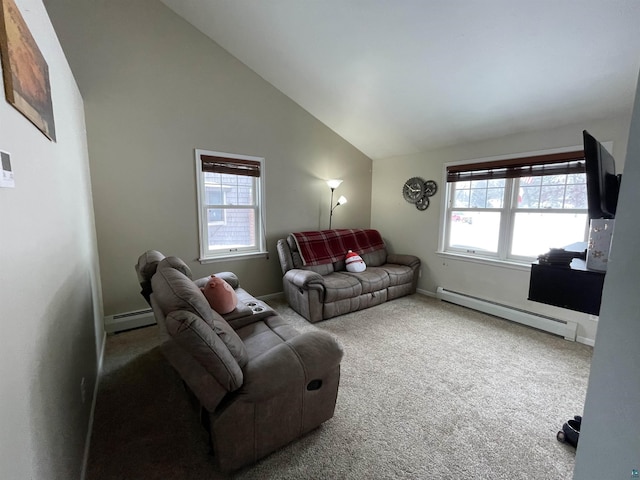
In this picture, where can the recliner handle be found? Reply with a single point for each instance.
(314, 384)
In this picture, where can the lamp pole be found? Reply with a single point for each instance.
(333, 184)
(331, 208)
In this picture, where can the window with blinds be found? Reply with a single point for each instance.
(230, 204)
(515, 209)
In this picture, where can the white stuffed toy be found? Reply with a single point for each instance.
(354, 262)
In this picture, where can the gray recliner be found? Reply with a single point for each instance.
(260, 383)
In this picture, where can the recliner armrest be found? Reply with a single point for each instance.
(306, 357)
(304, 278)
(399, 259)
(229, 277)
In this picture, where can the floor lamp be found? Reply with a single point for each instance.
(333, 184)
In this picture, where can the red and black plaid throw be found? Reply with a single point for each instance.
(328, 246)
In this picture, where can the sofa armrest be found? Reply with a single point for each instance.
(305, 279)
(306, 357)
(399, 259)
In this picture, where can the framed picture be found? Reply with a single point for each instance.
(25, 72)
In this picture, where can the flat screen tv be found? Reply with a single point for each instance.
(603, 184)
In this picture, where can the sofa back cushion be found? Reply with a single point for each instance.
(372, 259)
(173, 291)
(145, 269)
(208, 348)
(176, 263)
(325, 269)
(147, 264)
(375, 258)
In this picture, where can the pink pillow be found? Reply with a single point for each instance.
(220, 295)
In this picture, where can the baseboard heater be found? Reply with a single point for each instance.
(548, 324)
(128, 320)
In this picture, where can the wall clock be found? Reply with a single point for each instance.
(423, 203)
(430, 188)
(417, 191)
(413, 189)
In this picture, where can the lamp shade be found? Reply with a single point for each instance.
(342, 200)
(334, 183)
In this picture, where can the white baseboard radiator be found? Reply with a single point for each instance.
(548, 324)
(128, 320)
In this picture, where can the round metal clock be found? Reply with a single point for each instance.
(423, 203)
(430, 188)
(413, 189)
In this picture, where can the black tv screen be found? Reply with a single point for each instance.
(603, 184)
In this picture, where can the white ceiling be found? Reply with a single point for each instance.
(396, 77)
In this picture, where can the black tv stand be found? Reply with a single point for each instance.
(567, 286)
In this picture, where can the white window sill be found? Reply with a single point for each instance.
(240, 256)
(494, 262)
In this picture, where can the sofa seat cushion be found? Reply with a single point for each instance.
(372, 279)
(340, 286)
(398, 274)
(325, 269)
(261, 336)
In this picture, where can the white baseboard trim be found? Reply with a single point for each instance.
(427, 293)
(572, 327)
(129, 320)
(587, 341)
(87, 441)
(557, 327)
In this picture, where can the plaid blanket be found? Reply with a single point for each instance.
(328, 246)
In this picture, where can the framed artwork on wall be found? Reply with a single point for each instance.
(25, 71)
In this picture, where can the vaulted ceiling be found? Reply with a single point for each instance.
(404, 76)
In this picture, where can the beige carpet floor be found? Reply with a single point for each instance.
(429, 390)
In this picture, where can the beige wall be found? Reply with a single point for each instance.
(409, 230)
(50, 303)
(155, 89)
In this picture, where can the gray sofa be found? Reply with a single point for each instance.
(259, 382)
(319, 292)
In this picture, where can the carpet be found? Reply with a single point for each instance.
(428, 390)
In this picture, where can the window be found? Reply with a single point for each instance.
(516, 209)
(230, 204)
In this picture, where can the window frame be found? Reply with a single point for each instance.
(509, 210)
(258, 206)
